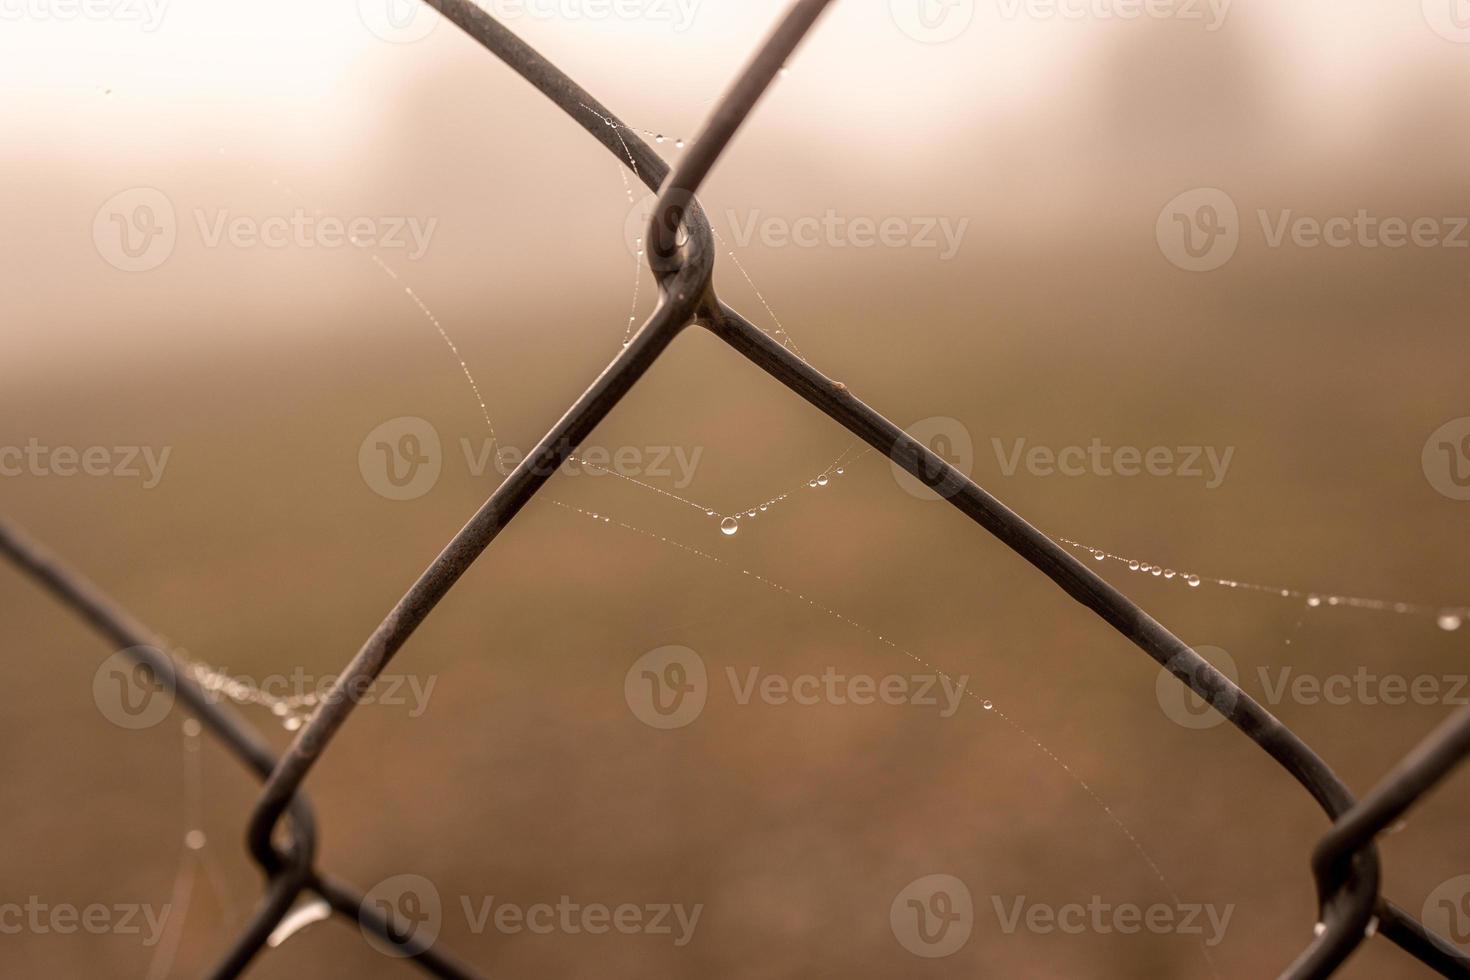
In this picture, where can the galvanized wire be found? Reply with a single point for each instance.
(281, 834)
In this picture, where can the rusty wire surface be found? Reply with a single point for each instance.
(281, 834)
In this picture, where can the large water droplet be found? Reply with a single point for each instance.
(823, 480)
(1314, 601)
(1133, 566)
(1098, 555)
(1193, 581)
(1450, 621)
(729, 526)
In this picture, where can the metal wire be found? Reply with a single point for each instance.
(281, 832)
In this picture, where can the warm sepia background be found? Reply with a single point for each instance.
(1060, 320)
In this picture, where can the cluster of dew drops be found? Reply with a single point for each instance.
(730, 524)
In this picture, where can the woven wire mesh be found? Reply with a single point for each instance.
(282, 833)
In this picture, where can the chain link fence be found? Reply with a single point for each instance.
(281, 833)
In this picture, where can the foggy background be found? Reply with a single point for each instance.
(1061, 319)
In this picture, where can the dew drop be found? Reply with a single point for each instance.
(765, 507)
(194, 840)
(1133, 566)
(986, 705)
(279, 709)
(659, 138)
(679, 144)
(1169, 573)
(1156, 570)
(812, 484)
(840, 471)
(1098, 556)
(191, 727)
(709, 513)
(1314, 601)
(1450, 621)
(1193, 581)
(729, 526)
(823, 480)
(750, 513)
(291, 724)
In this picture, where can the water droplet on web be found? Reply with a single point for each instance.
(823, 480)
(709, 513)
(291, 724)
(840, 471)
(765, 507)
(812, 484)
(1314, 601)
(194, 840)
(1098, 556)
(192, 727)
(1450, 621)
(679, 144)
(1156, 570)
(1169, 573)
(729, 526)
(1193, 581)
(750, 513)
(986, 705)
(660, 138)
(1133, 566)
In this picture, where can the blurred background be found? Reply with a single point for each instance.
(1057, 145)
